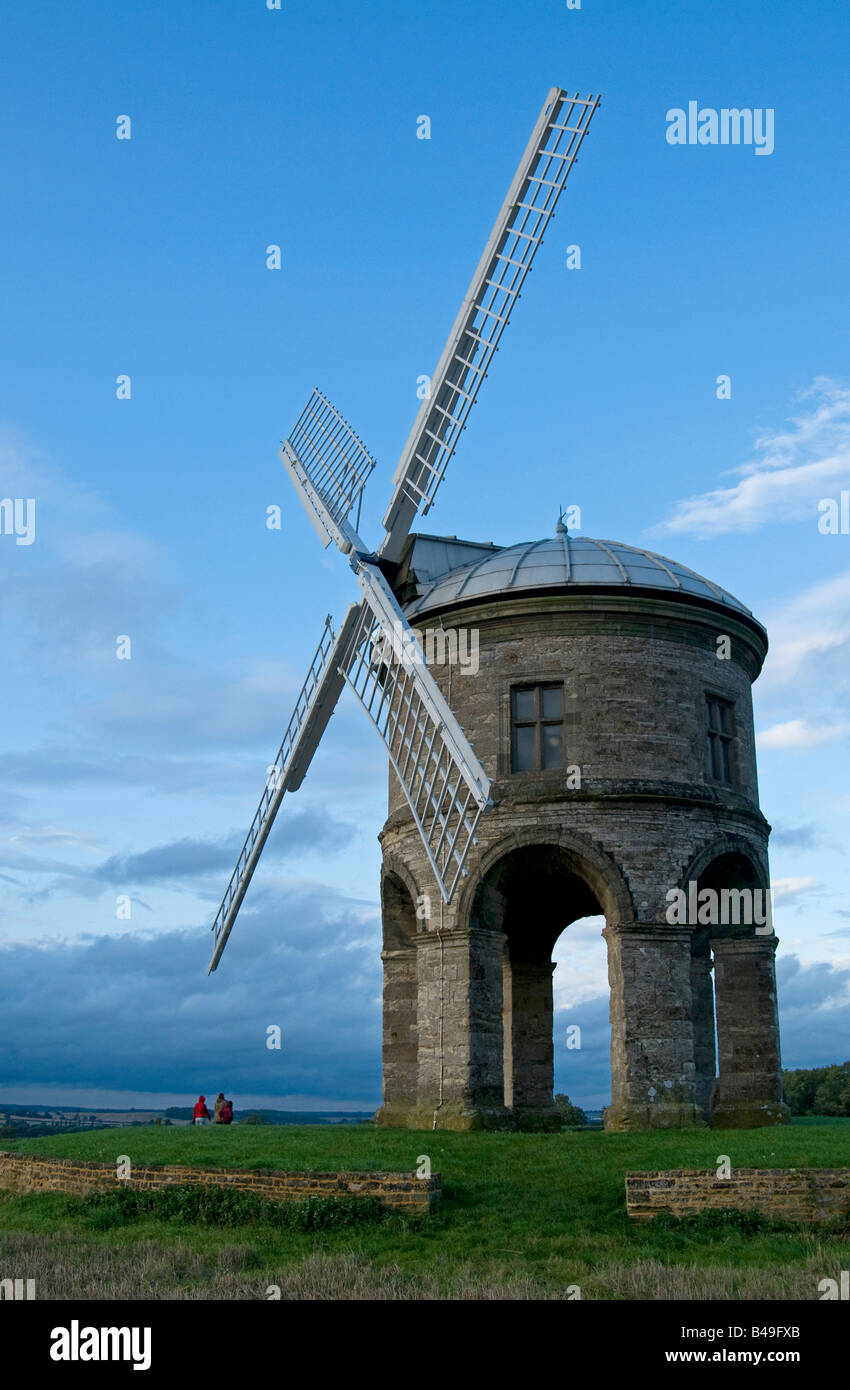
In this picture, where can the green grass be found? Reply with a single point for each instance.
(526, 1215)
(208, 1205)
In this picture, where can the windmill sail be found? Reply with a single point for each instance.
(329, 466)
(484, 314)
(376, 651)
(445, 785)
(313, 708)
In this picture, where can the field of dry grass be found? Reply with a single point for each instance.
(68, 1267)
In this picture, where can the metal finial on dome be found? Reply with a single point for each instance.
(560, 529)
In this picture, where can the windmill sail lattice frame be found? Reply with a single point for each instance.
(376, 653)
(445, 785)
(483, 317)
(329, 467)
(313, 708)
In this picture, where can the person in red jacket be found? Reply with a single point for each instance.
(201, 1114)
(227, 1113)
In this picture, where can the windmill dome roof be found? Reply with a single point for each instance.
(563, 562)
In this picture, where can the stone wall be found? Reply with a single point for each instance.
(784, 1194)
(400, 1191)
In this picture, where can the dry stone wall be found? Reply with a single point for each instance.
(400, 1191)
(807, 1195)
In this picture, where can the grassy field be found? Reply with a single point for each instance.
(523, 1216)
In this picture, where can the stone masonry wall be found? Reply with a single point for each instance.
(634, 672)
(635, 675)
(806, 1195)
(400, 1191)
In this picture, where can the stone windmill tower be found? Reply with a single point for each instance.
(610, 701)
(569, 729)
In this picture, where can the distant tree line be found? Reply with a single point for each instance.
(248, 1117)
(818, 1090)
(16, 1127)
(568, 1114)
(281, 1117)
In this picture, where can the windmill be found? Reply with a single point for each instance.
(375, 652)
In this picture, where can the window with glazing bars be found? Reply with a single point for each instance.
(719, 738)
(537, 727)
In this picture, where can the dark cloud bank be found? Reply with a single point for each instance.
(137, 1011)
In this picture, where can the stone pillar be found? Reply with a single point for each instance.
(748, 1090)
(705, 1052)
(461, 1081)
(400, 1050)
(652, 1035)
(507, 1029)
(529, 1060)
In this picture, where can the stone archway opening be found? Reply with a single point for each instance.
(400, 1054)
(531, 895)
(736, 1030)
(582, 1025)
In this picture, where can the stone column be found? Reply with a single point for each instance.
(529, 1060)
(705, 1051)
(748, 1090)
(461, 1081)
(399, 1050)
(652, 1035)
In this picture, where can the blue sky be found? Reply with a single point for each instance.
(147, 257)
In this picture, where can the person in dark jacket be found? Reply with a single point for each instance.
(201, 1115)
(226, 1113)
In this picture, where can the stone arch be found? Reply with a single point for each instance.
(400, 898)
(400, 1048)
(736, 1028)
(587, 860)
(530, 886)
(723, 845)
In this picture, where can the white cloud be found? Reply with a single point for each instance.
(26, 835)
(789, 889)
(808, 634)
(582, 962)
(799, 733)
(87, 577)
(794, 470)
